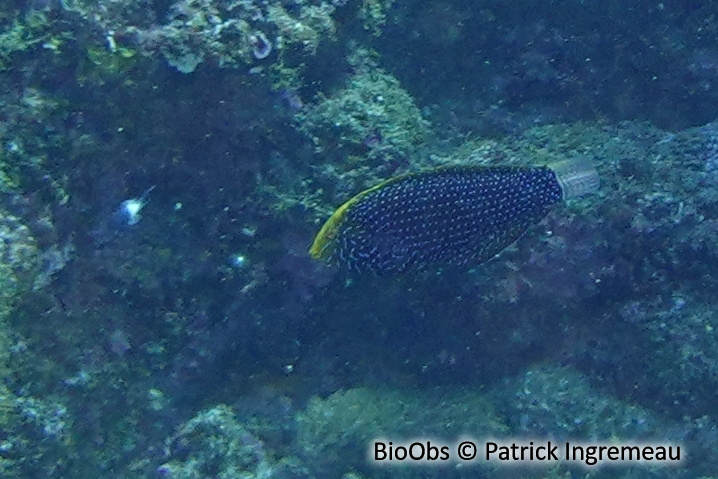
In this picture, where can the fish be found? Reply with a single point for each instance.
(451, 215)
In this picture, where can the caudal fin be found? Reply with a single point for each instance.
(577, 178)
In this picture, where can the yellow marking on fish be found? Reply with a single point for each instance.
(320, 247)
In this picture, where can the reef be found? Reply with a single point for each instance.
(215, 443)
(329, 429)
(368, 130)
(200, 340)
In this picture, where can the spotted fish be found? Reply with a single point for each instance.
(449, 215)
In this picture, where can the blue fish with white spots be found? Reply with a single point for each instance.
(461, 215)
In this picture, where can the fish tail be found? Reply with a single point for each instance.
(576, 177)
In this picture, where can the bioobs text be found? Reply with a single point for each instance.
(415, 451)
(424, 451)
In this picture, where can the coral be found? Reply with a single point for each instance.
(369, 130)
(23, 34)
(373, 14)
(547, 401)
(313, 24)
(680, 330)
(197, 30)
(104, 64)
(35, 436)
(372, 119)
(19, 260)
(333, 433)
(489, 69)
(214, 443)
(227, 33)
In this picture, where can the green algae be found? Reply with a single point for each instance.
(374, 119)
(214, 443)
(336, 432)
(24, 34)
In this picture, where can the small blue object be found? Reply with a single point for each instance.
(238, 260)
(129, 211)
